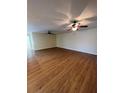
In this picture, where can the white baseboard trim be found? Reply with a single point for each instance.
(77, 50)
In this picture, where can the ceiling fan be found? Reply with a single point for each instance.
(72, 22)
(76, 25)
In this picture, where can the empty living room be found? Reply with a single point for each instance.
(62, 46)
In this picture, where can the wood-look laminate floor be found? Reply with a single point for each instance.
(58, 70)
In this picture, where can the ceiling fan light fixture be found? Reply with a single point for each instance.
(75, 26)
(74, 29)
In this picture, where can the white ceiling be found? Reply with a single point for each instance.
(53, 15)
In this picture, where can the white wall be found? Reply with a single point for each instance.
(43, 41)
(84, 41)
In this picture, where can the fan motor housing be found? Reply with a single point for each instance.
(74, 21)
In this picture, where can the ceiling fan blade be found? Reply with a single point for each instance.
(84, 26)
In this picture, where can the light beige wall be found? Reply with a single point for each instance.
(43, 41)
(84, 41)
